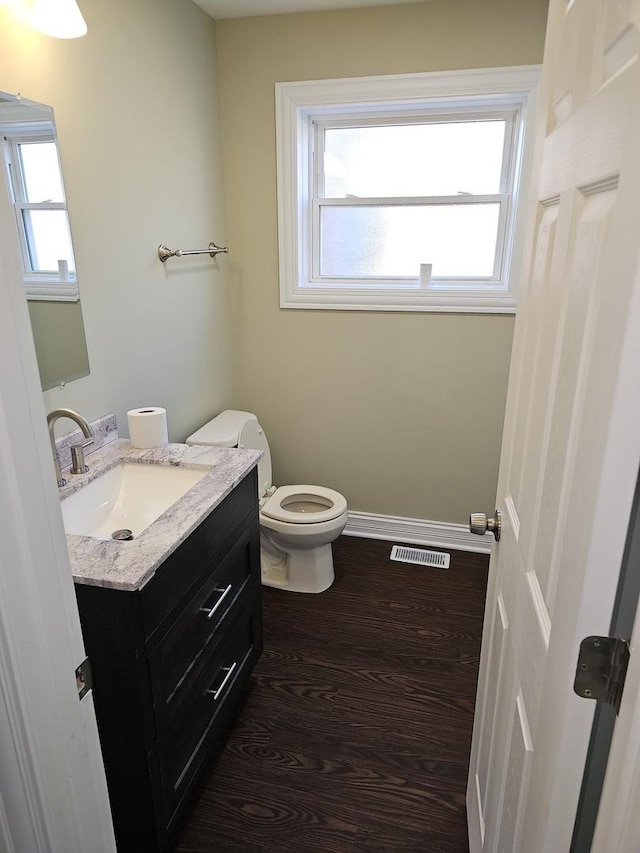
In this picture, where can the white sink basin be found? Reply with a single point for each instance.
(129, 496)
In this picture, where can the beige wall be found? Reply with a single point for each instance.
(136, 109)
(401, 412)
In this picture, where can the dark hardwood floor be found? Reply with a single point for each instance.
(355, 735)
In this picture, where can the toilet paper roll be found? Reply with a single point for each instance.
(148, 427)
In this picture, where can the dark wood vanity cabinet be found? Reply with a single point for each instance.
(170, 663)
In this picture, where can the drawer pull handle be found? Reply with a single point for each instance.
(229, 671)
(209, 612)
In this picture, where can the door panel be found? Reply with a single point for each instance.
(545, 240)
(517, 778)
(493, 747)
(566, 413)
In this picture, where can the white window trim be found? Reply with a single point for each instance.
(297, 101)
(39, 286)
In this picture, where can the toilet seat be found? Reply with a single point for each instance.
(331, 504)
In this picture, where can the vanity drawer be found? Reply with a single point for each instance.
(178, 659)
(219, 687)
(181, 573)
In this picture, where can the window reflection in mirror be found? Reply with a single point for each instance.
(41, 238)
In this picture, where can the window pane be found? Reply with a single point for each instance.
(414, 160)
(41, 171)
(48, 239)
(368, 241)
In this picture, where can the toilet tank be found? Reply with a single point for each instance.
(233, 428)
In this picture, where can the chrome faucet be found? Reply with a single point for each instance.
(77, 450)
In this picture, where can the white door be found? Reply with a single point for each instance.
(571, 448)
(53, 794)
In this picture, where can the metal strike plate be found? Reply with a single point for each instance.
(601, 669)
(84, 678)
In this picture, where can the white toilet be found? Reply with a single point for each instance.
(297, 523)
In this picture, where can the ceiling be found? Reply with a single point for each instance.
(249, 8)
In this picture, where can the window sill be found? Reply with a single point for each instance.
(353, 300)
(49, 289)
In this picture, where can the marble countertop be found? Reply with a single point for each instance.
(129, 565)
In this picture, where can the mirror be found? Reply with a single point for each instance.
(32, 181)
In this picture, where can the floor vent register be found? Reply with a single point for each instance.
(437, 559)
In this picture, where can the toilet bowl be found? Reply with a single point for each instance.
(297, 523)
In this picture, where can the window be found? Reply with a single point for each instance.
(403, 192)
(35, 183)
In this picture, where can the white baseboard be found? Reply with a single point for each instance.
(416, 531)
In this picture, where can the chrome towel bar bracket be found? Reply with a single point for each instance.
(164, 252)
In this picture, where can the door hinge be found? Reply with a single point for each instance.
(84, 678)
(602, 669)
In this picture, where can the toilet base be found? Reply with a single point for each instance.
(297, 569)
